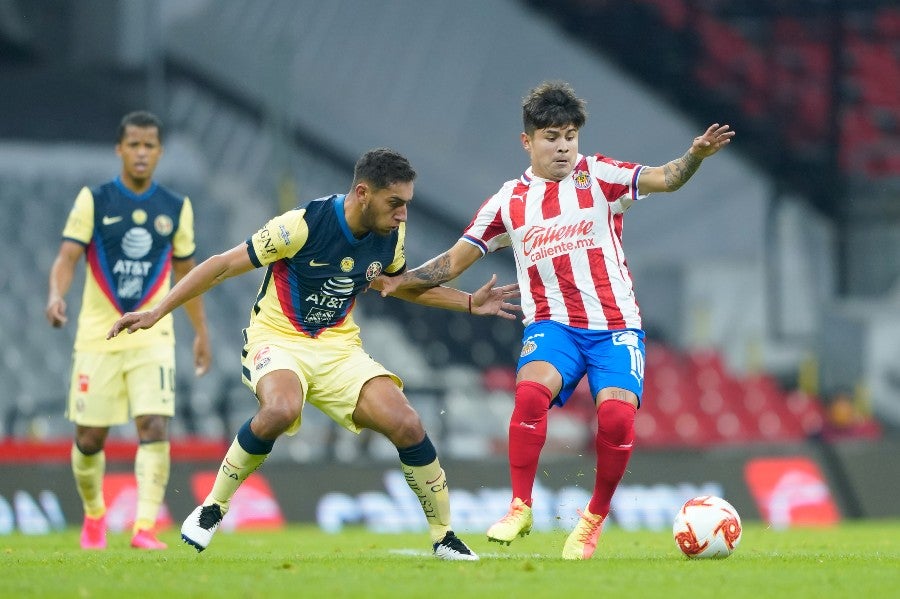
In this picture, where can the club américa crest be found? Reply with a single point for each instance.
(373, 271)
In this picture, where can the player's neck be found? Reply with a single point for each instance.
(353, 215)
(136, 186)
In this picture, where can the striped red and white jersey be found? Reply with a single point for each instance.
(567, 239)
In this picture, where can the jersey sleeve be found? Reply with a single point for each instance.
(281, 237)
(399, 264)
(487, 231)
(183, 246)
(80, 223)
(618, 180)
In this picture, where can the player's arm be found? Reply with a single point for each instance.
(196, 314)
(438, 270)
(675, 173)
(487, 300)
(61, 274)
(204, 277)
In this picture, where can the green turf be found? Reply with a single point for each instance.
(860, 559)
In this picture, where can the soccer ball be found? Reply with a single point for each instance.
(707, 527)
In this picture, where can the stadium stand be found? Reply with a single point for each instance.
(243, 153)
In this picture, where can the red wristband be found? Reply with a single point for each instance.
(470, 303)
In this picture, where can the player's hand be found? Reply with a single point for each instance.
(386, 285)
(56, 312)
(713, 139)
(489, 300)
(133, 321)
(202, 354)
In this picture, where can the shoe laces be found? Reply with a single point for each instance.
(513, 513)
(210, 515)
(594, 522)
(453, 542)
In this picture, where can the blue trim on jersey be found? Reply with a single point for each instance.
(476, 242)
(253, 259)
(608, 358)
(634, 183)
(134, 196)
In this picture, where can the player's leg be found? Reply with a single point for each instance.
(538, 382)
(152, 463)
(383, 408)
(96, 402)
(150, 380)
(89, 466)
(620, 381)
(280, 391)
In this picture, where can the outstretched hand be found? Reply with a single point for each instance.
(713, 139)
(133, 321)
(488, 300)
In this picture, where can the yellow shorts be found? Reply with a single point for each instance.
(108, 388)
(332, 372)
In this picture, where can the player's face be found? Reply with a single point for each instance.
(140, 151)
(386, 208)
(553, 151)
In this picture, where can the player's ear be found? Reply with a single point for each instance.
(526, 141)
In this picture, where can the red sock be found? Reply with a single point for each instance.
(615, 436)
(527, 433)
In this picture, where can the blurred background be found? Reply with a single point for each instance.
(769, 284)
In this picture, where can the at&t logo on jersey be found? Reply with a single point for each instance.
(331, 299)
(136, 243)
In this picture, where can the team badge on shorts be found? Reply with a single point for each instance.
(582, 180)
(528, 347)
(262, 358)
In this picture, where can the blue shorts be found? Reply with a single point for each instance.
(609, 358)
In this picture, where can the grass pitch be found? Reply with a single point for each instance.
(857, 559)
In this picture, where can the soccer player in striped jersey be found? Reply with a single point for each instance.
(302, 343)
(134, 234)
(563, 219)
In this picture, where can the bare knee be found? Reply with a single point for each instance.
(89, 439)
(408, 430)
(152, 428)
(276, 414)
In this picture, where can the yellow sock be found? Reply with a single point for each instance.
(430, 485)
(88, 471)
(151, 469)
(235, 468)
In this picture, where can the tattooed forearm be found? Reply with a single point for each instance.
(678, 171)
(431, 274)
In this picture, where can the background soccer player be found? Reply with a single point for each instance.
(563, 219)
(302, 343)
(135, 233)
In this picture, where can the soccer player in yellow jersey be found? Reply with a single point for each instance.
(134, 234)
(303, 345)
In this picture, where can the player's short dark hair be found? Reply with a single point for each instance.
(552, 104)
(382, 167)
(140, 118)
